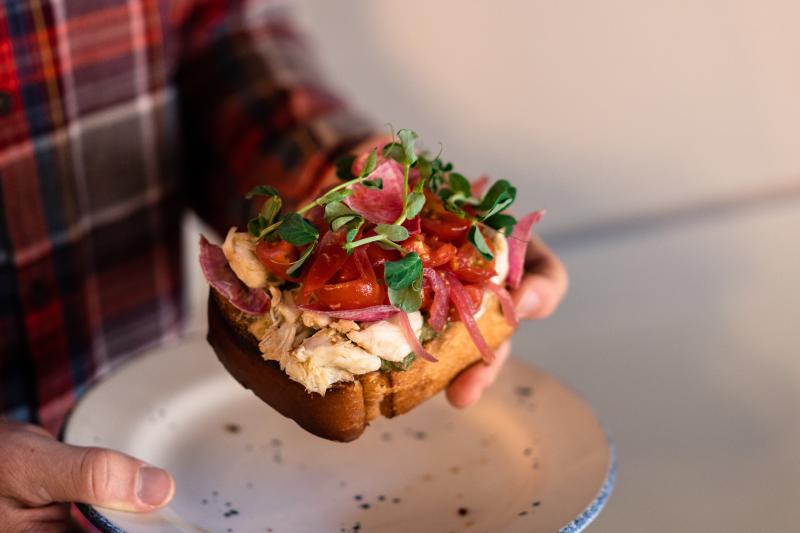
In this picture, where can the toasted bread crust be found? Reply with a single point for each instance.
(345, 410)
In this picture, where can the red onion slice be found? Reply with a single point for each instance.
(220, 276)
(461, 300)
(441, 303)
(380, 205)
(413, 341)
(506, 302)
(518, 245)
(365, 314)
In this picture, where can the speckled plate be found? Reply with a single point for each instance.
(529, 457)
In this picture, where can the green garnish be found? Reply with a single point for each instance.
(399, 366)
(404, 281)
(476, 238)
(297, 230)
(403, 277)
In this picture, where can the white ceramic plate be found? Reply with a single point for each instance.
(530, 456)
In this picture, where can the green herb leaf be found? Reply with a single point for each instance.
(256, 226)
(297, 265)
(475, 237)
(403, 272)
(398, 366)
(351, 235)
(394, 151)
(425, 169)
(373, 184)
(261, 190)
(407, 139)
(416, 201)
(333, 196)
(408, 299)
(370, 163)
(453, 208)
(344, 167)
(427, 333)
(297, 230)
(499, 196)
(501, 222)
(340, 222)
(271, 208)
(338, 214)
(394, 232)
(335, 210)
(460, 184)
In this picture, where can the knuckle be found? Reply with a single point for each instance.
(94, 473)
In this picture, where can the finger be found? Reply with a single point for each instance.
(49, 471)
(467, 388)
(544, 284)
(55, 512)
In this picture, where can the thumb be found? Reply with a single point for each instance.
(61, 473)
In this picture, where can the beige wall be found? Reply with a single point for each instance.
(594, 107)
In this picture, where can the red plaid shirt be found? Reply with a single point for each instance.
(98, 100)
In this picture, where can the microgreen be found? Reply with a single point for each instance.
(499, 196)
(403, 272)
(261, 190)
(297, 265)
(407, 299)
(416, 201)
(393, 232)
(370, 164)
(344, 167)
(476, 238)
(297, 230)
(373, 184)
(501, 222)
(407, 140)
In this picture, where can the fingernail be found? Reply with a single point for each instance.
(529, 303)
(155, 485)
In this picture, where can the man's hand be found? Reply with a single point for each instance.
(39, 475)
(539, 294)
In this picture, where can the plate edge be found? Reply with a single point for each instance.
(593, 510)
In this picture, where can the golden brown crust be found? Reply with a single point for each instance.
(345, 410)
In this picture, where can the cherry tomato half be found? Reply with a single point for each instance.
(363, 291)
(276, 257)
(328, 258)
(470, 266)
(432, 255)
(436, 220)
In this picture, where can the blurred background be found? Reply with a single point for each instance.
(662, 137)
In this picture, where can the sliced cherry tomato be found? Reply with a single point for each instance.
(431, 257)
(441, 255)
(349, 295)
(436, 220)
(277, 257)
(469, 266)
(349, 271)
(328, 258)
(378, 256)
(416, 243)
(364, 291)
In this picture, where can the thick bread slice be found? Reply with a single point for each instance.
(343, 413)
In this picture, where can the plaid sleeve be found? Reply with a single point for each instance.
(253, 109)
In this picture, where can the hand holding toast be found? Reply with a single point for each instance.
(542, 289)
